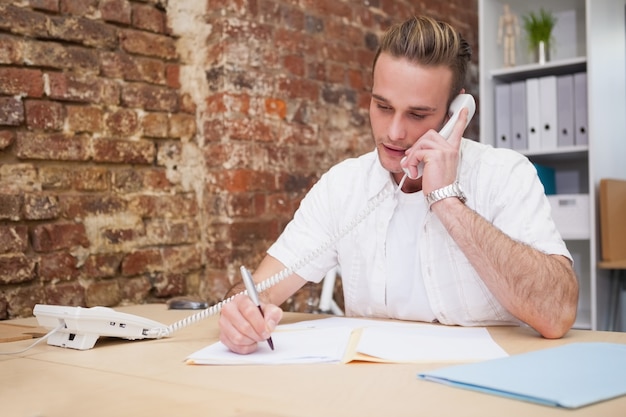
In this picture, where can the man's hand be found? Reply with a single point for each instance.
(440, 156)
(242, 326)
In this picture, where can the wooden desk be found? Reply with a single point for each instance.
(149, 378)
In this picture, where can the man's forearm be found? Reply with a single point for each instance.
(537, 288)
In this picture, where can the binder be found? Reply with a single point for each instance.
(503, 115)
(569, 376)
(565, 112)
(533, 114)
(519, 137)
(548, 111)
(580, 108)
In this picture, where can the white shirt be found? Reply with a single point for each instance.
(501, 185)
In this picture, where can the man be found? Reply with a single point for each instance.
(470, 242)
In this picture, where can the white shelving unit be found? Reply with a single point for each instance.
(599, 48)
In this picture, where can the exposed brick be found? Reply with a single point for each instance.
(148, 18)
(81, 206)
(168, 284)
(54, 146)
(150, 70)
(92, 179)
(182, 258)
(24, 298)
(103, 293)
(122, 122)
(127, 181)
(141, 262)
(182, 126)
(156, 180)
(47, 5)
(187, 103)
(118, 11)
(164, 206)
(172, 75)
(155, 125)
(16, 268)
(13, 239)
(102, 265)
(111, 93)
(150, 97)
(124, 151)
(66, 294)
(11, 111)
(135, 290)
(57, 236)
(11, 50)
(46, 54)
(11, 206)
(59, 266)
(240, 180)
(44, 115)
(171, 232)
(119, 236)
(23, 21)
(56, 178)
(149, 44)
(40, 207)
(79, 7)
(84, 118)
(18, 179)
(84, 31)
(68, 87)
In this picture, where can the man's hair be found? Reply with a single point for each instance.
(428, 42)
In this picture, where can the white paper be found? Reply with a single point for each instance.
(326, 340)
(429, 344)
(314, 345)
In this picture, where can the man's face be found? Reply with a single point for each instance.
(407, 100)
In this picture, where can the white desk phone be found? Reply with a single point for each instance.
(80, 327)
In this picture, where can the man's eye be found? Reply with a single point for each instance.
(417, 116)
(383, 107)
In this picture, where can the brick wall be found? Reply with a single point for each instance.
(149, 148)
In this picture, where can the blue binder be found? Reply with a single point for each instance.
(568, 376)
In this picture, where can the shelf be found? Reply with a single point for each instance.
(567, 153)
(522, 72)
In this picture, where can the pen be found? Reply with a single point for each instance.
(254, 295)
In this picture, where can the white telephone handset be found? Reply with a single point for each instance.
(460, 101)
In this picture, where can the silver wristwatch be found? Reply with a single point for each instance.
(452, 190)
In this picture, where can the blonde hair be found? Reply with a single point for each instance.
(428, 42)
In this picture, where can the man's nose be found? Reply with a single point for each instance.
(397, 128)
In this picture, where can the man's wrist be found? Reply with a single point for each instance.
(452, 190)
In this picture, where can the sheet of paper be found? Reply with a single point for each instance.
(315, 345)
(332, 340)
(410, 343)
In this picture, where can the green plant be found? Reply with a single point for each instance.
(538, 27)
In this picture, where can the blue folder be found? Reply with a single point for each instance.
(568, 376)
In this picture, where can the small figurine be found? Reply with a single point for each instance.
(508, 32)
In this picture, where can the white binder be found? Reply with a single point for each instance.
(548, 111)
(533, 114)
(503, 115)
(519, 135)
(580, 108)
(565, 110)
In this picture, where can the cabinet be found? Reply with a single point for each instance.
(590, 38)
